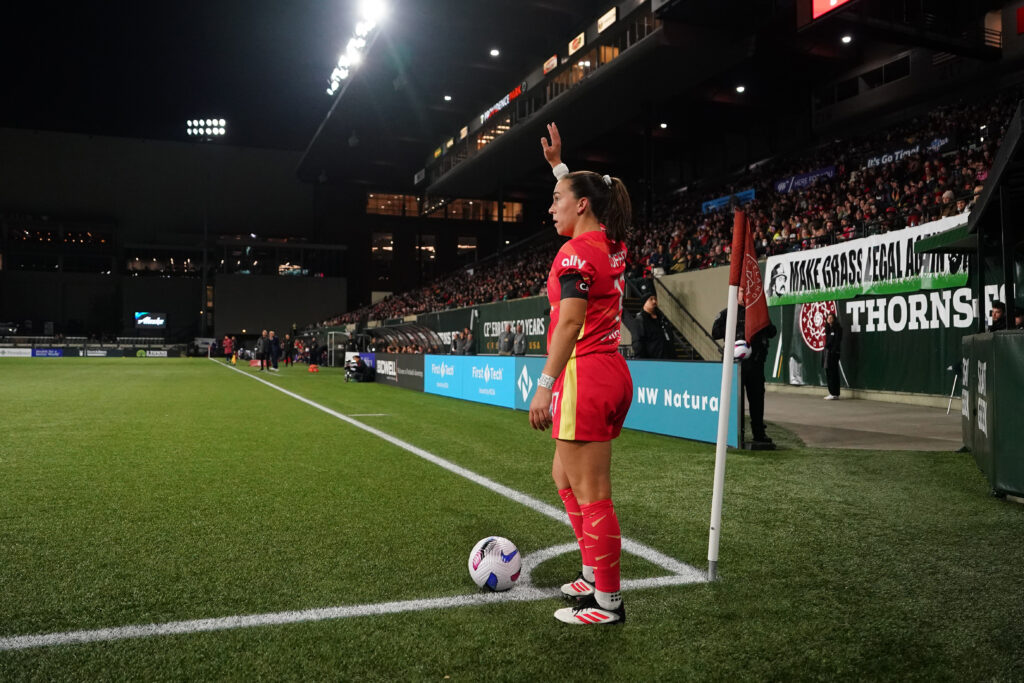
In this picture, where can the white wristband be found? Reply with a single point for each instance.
(546, 381)
(560, 171)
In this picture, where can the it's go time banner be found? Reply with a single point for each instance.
(880, 264)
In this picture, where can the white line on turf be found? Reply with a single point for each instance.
(523, 591)
(650, 554)
(368, 415)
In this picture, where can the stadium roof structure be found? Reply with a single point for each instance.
(391, 111)
(384, 124)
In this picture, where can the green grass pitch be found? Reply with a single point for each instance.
(141, 491)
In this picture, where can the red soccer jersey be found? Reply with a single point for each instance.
(602, 263)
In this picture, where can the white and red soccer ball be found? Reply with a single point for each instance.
(495, 563)
(741, 350)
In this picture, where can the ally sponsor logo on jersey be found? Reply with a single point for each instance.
(573, 261)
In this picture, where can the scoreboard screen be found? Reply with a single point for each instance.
(822, 7)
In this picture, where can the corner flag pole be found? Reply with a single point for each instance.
(735, 272)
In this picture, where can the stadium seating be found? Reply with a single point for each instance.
(866, 194)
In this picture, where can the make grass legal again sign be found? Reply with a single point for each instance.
(880, 264)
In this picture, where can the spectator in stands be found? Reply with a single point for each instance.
(519, 343)
(856, 201)
(998, 316)
(505, 341)
(653, 340)
(468, 343)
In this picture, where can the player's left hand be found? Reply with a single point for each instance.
(540, 409)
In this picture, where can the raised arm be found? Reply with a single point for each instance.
(553, 151)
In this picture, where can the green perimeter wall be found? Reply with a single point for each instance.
(899, 343)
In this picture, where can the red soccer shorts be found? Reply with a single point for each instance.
(591, 397)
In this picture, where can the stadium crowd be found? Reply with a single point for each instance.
(939, 164)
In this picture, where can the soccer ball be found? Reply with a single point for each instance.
(495, 563)
(741, 350)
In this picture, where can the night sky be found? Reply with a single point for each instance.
(142, 68)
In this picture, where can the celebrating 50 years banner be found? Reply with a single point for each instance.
(875, 265)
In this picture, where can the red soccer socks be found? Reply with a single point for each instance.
(603, 542)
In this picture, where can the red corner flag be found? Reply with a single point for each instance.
(743, 272)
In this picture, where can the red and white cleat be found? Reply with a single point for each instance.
(577, 588)
(589, 612)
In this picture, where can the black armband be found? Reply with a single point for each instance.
(574, 286)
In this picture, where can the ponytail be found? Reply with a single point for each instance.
(609, 201)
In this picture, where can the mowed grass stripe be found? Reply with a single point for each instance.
(835, 565)
(650, 554)
(173, 492)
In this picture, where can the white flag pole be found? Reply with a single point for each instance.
(722, 443)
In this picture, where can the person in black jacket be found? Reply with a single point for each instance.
(998, 317)
(751, 369)
(830, 355)
(273, 351)
(652, 337)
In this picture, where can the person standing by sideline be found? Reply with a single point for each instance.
(505, 341)
(652, 339)
(585, 389)
(229, 348)
(519, 341)
(830, 355)
(273, 351)
(289, 349)
(751, 369)
(262, 349)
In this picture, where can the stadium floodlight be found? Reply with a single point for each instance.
(447, 98)
(495, 52)
(847, 39)
(206, 128)
(664, 125)
(741, 89)
(372, 11)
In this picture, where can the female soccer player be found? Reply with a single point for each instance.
(585, 389)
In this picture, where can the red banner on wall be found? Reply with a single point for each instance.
(822, 7)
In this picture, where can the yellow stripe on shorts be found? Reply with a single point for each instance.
(567, 409)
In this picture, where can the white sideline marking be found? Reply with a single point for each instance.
(650, 554)
(523, 591)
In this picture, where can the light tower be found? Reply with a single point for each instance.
(205, 130)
